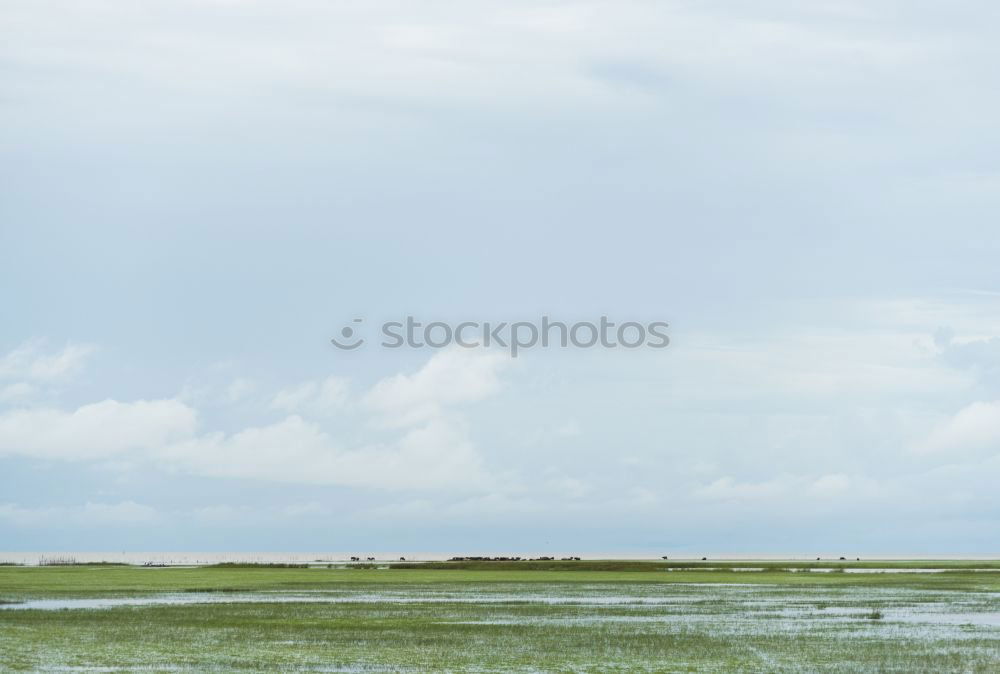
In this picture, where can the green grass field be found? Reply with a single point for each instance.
(489, 617)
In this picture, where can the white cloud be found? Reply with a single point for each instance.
(433, 451)
(570, 429)
(500, 53)
(17, 392)
(126, 511)
(30, 362)
(726, 488)
(782, 487)
(303, 509)
(452, 377)
(317, 398)
(96, 430)
(89, 514)
(239, 389)
(294, 450)
(569, 487)
(220, 514)
(976, 427)
(834, 483)
(836, 366)
(546, 436)
(432, 448)
(292, 399)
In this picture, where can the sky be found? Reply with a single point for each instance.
(197, 195)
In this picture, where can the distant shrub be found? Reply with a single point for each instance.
(56, 561)
(72, 561)
(874, 614)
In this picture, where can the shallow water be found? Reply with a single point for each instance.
(732, 606)
(320, 597)
(757, 625)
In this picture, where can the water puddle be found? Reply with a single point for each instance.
(944, 618)
(341, 598)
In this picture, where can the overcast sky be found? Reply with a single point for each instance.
(196, 195)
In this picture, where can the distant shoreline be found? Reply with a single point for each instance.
(32, 558)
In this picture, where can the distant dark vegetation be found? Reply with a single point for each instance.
(511, 559)
(256, 565)
(541, 564)
(575, 564)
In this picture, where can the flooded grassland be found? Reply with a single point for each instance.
(480, 620)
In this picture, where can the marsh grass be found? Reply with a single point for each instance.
(420, 620)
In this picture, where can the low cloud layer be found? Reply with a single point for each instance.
(428, 446)
(839, 424)
(97, 430)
